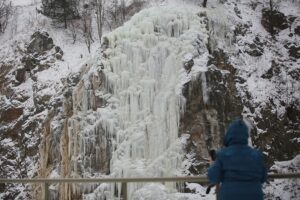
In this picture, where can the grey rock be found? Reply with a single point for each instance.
(59, 50)
(297, 30)
(274, 21)
(40, 42)
(20, 75)
(188, 65)
(273, 71)
(255, 48)
(294, 51)
(58, 56)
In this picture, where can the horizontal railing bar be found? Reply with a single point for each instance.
(198, 179)
(107, 180)
(284, 176)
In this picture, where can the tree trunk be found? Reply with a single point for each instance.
(99, 14)
(64, 3)
(204, 3)
(271, 18)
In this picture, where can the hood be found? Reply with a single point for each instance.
(237, 133)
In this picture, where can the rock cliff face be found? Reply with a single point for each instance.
(24, 112)
(158, 95)
(212, 102)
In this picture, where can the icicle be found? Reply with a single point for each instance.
(204, 88)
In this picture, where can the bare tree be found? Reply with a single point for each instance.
(61, 10)
(74, 24)
(100, 16)
(123, 11)
(5, 12)
(86, 19)
(204, 3)
(116, 13)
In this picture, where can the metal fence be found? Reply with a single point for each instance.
(125, 181)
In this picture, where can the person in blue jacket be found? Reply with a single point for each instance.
(238, 168)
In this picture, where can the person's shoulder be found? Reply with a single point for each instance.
(256, 153)
(223, 152)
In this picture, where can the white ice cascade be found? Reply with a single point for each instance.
(143, 71)
(144, 74)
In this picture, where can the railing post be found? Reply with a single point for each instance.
(46, 191)
(217, 191)
(125, 194)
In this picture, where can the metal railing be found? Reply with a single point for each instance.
(196, 179)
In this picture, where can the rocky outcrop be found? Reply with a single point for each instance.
(40, 42)
(24, 112)
(294, 51)
(40, 54)
(274, 21)
(273, 71)
(221, 60)
(241, 29)
(5, 68)
(188, 65)
(255, 48)
(297, 30)
(19, 141)
(66, 148)
(212, 102)
(11, 114)
(295, 74)
(280, 137)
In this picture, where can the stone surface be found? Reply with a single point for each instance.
(206, 121)
(286, 129)
(255, 48)
(297, 30)
(40, 55)
(188, 65)
(295, 74)
(59, 50)
(20, 74)
(40, 42)
(11, 114)
(294, 51)
(29, 62)
(58, 56)
(241, 29)
(273, 21)
(273, 71)
(221, 60)
(4, 70)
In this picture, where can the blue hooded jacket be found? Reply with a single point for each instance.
(238, 167)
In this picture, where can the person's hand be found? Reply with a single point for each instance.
(211, 156)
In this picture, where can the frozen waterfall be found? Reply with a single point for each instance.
(145, 60)
(143, 66)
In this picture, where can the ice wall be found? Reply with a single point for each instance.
(142, 68)
(143, 71)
